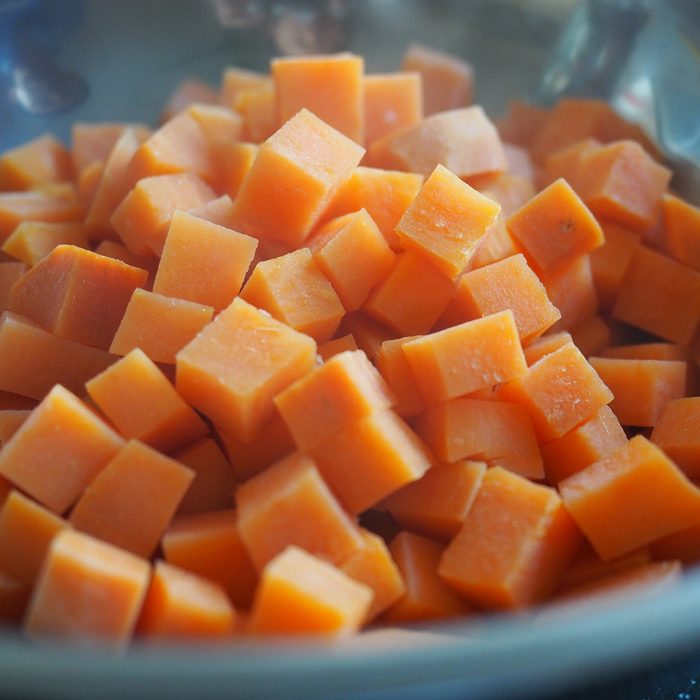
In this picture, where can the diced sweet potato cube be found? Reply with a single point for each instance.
(257, 108)
(660, 295)
(374, 567)
(427, 596)
(437, 504)
(446, 221)
(344, 343)
(269, 444)
(181, 605)
(234, 161)
(385, 194)
(372, 458)
(26, 532)
(555, 227)
(33, 240)
(160, 326)
(302, 186)
(93, 141)
(572, 290)
(514, 546)
(10, 272)
(589, 442)
(447, 79)
(295, 291)
(462, 140)
(352, 253)
(41, 161)
(141, 403)
(495, 432)
(289, 504)
(332, 397)
(33, 360)
(143, 217)
(560, 391)
(35, 205)
(465, 358)
(115, 179)
(677, 433)
(412, 296)
(544, 345)
(89, 592)
(203, 262)
(393, 366)
(58, 450)
(392, 101)
(214, 478)
(210, 545)
(641, 387)
(609, 262)
(682, 230)
(330, 86)
(77, 294)
(630, 498)
(233, 369)
(623, 183)
(301, 594)
(189, 91)
(507, 284)
(132, 500)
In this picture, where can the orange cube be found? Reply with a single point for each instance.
(352, 253)
(302, 594)
(181, 605)
(330, 86)
(507, 284)
(447, 79)
(462, 140)
(33, 361)
(610, 262)
(210, 545)
(58, 450)
(132, 500)
(290, 504)
(36, 205)
(555, 227)
(26, 532)
(427, 596)
(41, 161)
(88, 294)
(385, 194)
(214, 478)
(33, 240)
(560, 391)
(465, 358)
(234, 368)
(105, 583)
(303, 187)
(372, 458)
(203, 262)
(676, 433)
(437, 504)
(141, 403)
(392, 101)
(393, 366)
(660, 295)
(641, 387)
(446, 221)
(572, 290)
(143, 217)
(492, 431)
(374, 566)
(159, 326)
(329, 399)
(623, 183)
(514, 546)
(630, 498)
(682, 230)
(589, 442)
(411, 298)
(294, 290)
